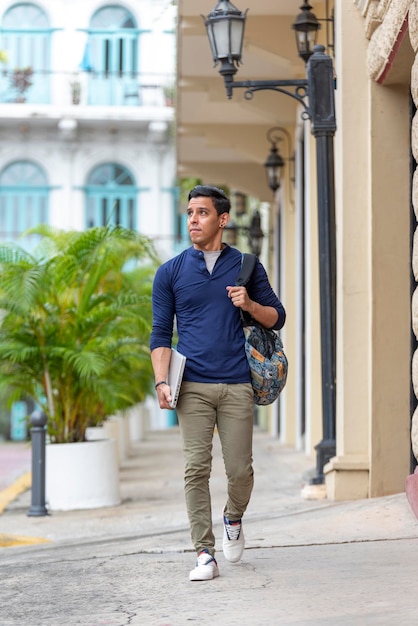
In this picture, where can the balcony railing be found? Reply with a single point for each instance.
(86, 88)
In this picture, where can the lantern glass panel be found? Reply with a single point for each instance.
(274, 175)
(220, 30)
(305, 42)
(209, 28)
(237, 36)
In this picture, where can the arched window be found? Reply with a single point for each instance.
(111, 196)
(26, 39)
(24, 195)
(112, 56)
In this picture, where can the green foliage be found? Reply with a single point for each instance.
(186, 184)
(75, 325)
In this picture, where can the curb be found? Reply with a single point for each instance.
(11, 493)
(6, 497)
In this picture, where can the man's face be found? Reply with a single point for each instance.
(204, 224)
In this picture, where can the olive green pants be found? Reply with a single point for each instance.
(201, 406)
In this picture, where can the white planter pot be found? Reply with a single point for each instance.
(138, 422)
(95, 432)
(114, 428)
(81, 475)
(111, 431)
(135, 424)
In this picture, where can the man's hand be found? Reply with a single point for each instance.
(160, 358)
(239, 297)
(266, 315)
(164, 396)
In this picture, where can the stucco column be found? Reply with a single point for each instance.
(373, 278)
(347, 473)
(313, 374)
(390, 321)
(288, 430)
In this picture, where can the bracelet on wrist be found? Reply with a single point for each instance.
(161, 382)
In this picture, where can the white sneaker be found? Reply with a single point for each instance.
(206, 567)
(233, 540)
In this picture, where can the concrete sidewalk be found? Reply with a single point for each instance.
(306, 562)
(15, 460)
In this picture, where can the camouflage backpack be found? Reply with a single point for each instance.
(263, 347)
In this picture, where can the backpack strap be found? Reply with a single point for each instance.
(248, 262)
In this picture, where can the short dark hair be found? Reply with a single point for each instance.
(220, 200)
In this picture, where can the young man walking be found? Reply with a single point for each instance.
(197, 289)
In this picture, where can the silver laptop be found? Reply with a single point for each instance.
(175, 375)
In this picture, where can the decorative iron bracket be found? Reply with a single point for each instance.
(299, 91)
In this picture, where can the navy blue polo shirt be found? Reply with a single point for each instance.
(209, 327)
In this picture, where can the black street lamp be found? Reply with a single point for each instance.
(225, 26)
(275, 163)
(306, 28)
(254, 232)
(240, 203)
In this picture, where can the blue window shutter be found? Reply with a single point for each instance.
(113, 58)
(24, 194)
(111, 197)
(26, 36)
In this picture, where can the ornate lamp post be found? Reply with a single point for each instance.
(254, 232)
(275, 163)
(225, 26)
(306, 29)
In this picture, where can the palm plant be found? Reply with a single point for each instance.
(75, 325)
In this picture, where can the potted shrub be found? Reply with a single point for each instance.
(169, 95)
(75, 328)
(21, 80)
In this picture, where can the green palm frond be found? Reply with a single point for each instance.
(75, 325)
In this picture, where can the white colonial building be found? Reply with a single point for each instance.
(86, 116)
(86, 113)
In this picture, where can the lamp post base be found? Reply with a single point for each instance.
(325, 450)
(37, 510)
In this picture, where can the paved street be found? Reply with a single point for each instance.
(307, 562)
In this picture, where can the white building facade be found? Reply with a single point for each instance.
(86, 121)
(86, 113)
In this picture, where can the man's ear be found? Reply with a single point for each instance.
(224, 219)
